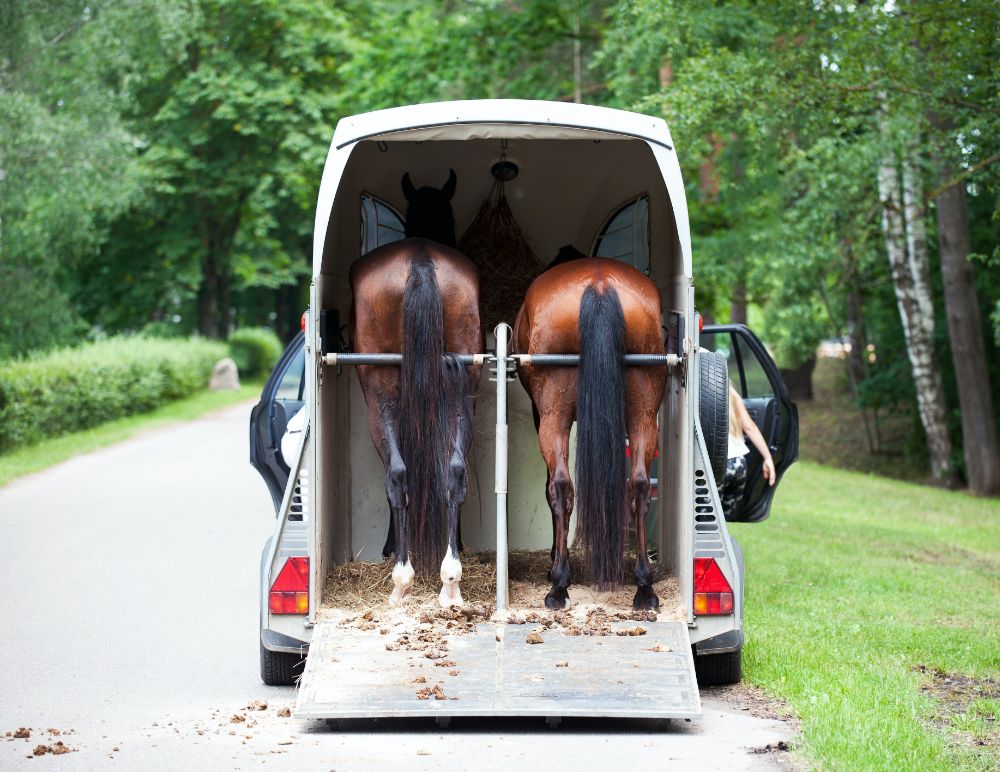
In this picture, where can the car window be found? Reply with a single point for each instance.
(380, 224)
(625, 236)
(293, 381)
(722, 343)
(756, 382)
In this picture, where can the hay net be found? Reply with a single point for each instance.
(507, 265)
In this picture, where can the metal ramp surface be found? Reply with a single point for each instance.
(494, 671)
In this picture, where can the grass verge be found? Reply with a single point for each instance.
(873, 608)
(46, 453)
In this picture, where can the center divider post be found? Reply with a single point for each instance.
(502, 331)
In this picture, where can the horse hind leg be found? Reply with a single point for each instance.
(553, 437)
(642, 442)
(640, 490)
(458, 488)
(395, 490)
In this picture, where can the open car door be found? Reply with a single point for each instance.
(754, 374)
(280, 402)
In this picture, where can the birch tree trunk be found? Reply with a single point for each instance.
(907, 250)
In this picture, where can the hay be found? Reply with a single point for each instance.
(360, 586)
(506, 262)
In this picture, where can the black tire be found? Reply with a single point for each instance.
(279, 668)
(719, 669)
(713, 409)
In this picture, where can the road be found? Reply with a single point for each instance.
(128, 594)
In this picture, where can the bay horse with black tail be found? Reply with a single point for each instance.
(421, 297)
(600, 309)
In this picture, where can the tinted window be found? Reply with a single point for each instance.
(293, 381)
(756, 383)
(625, 237)
(380, 224)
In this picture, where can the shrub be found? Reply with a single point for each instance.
(256, 351)
(75, 388)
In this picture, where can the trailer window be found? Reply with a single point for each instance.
(625, 236)
(380, 224)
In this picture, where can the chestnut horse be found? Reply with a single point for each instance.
(600, 309)
(421, 297)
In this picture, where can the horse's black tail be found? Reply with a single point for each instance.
(423, 414)
(601, 466)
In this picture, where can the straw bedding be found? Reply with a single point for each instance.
(360, 586)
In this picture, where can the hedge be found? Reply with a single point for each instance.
(256, 351)
(75, 388)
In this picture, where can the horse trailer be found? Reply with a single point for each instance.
(609, 182)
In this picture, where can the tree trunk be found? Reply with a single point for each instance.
(738, 306)
(798, 380)
(908, 263)
(857, 366)
(979, 437)
(213, 300)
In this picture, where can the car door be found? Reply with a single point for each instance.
(754, 374)
(280, 401)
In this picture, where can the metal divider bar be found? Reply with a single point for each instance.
(396, 359)
(572, 360)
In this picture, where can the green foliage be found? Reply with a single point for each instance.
(255, 350)
(66, 156)
(159, 159)
(67, 389)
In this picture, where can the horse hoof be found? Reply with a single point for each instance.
(645, 600)
(450, 595)
(557, 600)
(397, 598)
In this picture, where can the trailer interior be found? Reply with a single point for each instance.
(568, 191)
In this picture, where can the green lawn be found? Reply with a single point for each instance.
(864, 595)
(44, 454)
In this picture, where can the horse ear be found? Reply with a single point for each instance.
(449, 187)
(408, 190)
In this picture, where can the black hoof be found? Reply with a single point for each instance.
(557, 600)
(645, 600)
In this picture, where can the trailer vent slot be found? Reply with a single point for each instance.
(297, 509)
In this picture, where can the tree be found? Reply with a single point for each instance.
(66, 157)
(229, 126)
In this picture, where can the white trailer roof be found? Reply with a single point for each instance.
(499, 119)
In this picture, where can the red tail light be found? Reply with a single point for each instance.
(290, 591)
(302, 322)
(712, 593)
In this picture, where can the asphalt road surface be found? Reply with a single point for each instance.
(128, 600)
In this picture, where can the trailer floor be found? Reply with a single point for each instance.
(374, 666)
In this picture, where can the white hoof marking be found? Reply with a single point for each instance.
(402, 580)
(451, 575)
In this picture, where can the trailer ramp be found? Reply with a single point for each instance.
(495, 671)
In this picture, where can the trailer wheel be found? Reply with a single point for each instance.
(719, 669)
(279, 668)
(713, 409)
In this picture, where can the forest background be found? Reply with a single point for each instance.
(159, 164)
